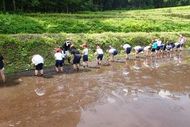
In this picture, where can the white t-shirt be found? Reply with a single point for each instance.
(177, 43)
(99, 51)
(59, 56)
(126, 46)
(37, 59)
(85, 51)
(137, 48)
(147, 48)
(112, 50)
(182, 40)
(159, 43)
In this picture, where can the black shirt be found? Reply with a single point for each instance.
(1, 61)
(74, 51)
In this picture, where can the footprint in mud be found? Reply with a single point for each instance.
(136, 68)
(125, 73)
(146, 77)
(40, 91)
(11, 124)
(60, 87)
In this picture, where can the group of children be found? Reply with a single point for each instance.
(156, 48)
(68, 49)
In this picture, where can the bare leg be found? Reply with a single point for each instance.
(84, 64)
(87, 63)
(77, 67)
(42, 72)
(126, 56)
(112, 58)
(2, 74)
(61, 68)
(74, 66)
(98, 62)
(57, 69)
(36, 72)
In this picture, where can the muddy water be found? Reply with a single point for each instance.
(139, 93)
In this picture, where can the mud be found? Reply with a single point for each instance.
(139, 93)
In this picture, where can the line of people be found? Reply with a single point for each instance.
(156, 48)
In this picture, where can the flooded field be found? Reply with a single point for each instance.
(139, 93)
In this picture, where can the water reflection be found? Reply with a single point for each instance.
(141, 92)
(39, 87)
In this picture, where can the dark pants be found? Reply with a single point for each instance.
(100, 56)
(59, 63)
(85, 58)
(128, 50)
(39, 66)
(76, 59)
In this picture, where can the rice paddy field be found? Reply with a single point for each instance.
(28, 33)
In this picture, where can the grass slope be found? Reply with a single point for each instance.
(19, 48)
(176, 19)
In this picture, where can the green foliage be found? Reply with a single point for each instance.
(154, 20)
(19, 49)
(19, 24)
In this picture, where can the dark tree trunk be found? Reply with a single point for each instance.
(4, 6)
(14, 5)
(67, 8)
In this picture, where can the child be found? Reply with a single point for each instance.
(76, 57)
(182, 41)
(147, 50)
(154, 46)
(159, 48)
(85, 55)
(177, 46)
(100, 55)
(112, 52)
(59, 56)
(138, 49)
(38, 61)
(159, 44)
(2, 68)
(127, 49)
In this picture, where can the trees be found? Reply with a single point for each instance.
(78, 5)
(3, 3)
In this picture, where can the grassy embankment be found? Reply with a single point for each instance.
(27, 34)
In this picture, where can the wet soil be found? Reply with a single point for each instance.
(137, 93)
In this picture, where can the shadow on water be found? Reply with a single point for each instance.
(16, 78)
(132, 64)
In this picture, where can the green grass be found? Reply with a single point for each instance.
(175, 19)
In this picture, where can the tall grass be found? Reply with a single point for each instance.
(153, 20)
